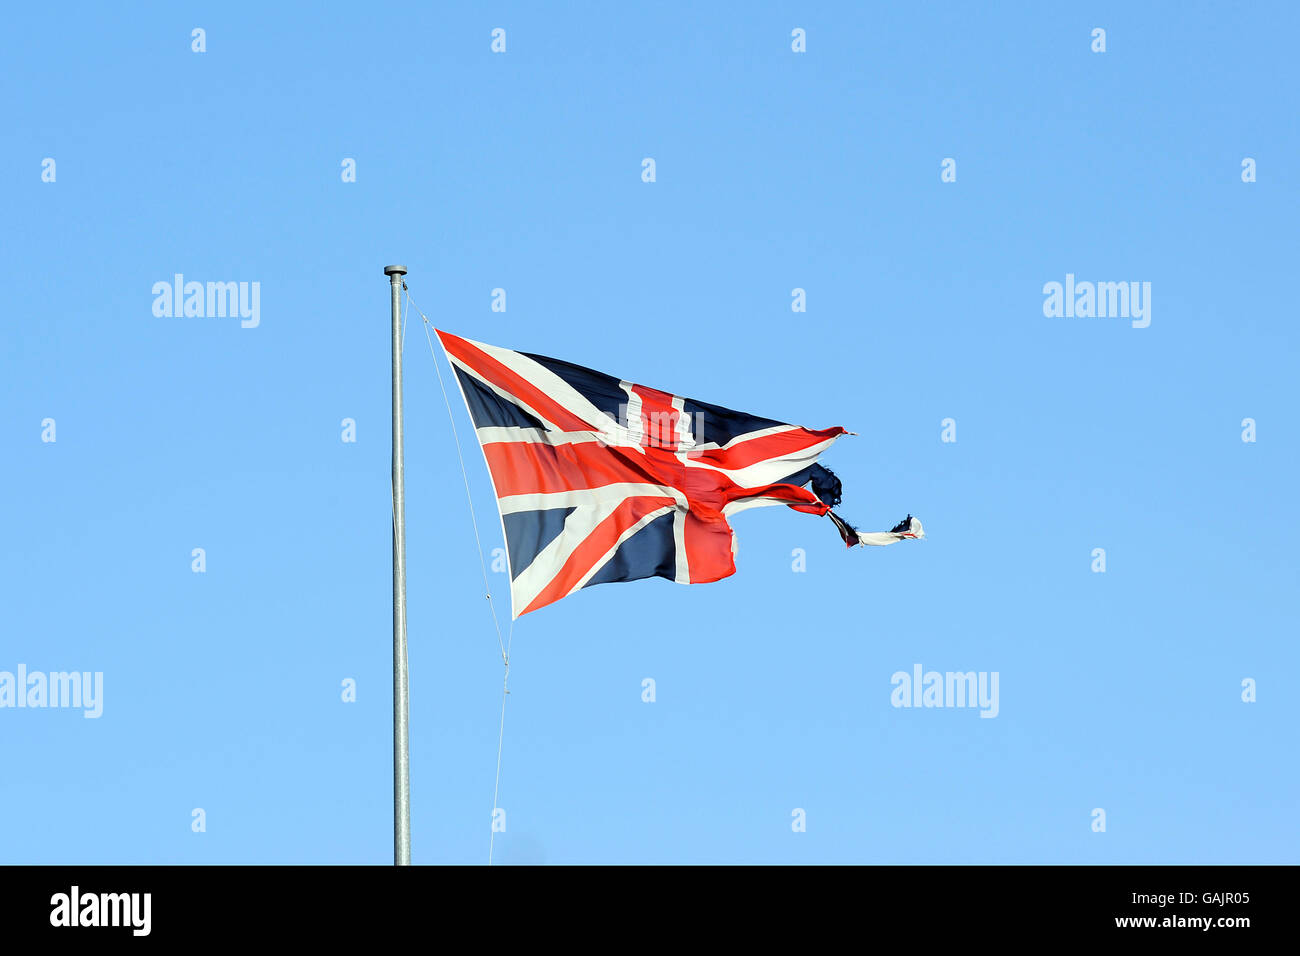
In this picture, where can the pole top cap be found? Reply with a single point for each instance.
(394, 270)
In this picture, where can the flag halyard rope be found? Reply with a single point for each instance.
(506, 644)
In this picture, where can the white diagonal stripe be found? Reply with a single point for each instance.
(768, 471)
(556, 388)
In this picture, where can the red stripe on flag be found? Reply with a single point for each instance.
(529, 468)
(710, 551)
(800, 499)
(755, 450)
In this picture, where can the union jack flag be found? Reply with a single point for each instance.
(600, 480)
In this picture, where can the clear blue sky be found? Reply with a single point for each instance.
(775, 170)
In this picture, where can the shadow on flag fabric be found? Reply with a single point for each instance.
(600, 480)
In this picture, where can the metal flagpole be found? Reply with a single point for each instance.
(401, 689)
